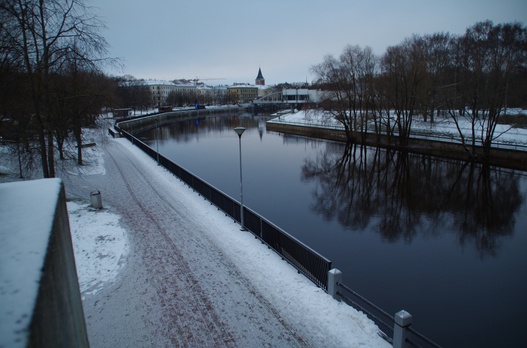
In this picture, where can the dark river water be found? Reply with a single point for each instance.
(441, 239)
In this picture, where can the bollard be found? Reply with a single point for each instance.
(96, 199)
(403, 320)
(334, 277)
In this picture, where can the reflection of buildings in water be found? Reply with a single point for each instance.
(183, 129)
(401, 195)
(261, 127)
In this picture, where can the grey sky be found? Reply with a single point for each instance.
(231, 39)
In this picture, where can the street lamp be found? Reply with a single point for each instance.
(239, 131)
(157, 143)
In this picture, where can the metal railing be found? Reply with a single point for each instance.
(311, 264)
(307, 261)
(396, 329)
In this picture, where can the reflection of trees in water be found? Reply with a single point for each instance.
(489, 199)
(186, 130)
(401, 194)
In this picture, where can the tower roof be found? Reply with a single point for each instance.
(260, 76)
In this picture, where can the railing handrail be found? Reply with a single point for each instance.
(319, 279)
(415, 134)
(315, 272)
(347, 288)
(377, 320)
(290, 236)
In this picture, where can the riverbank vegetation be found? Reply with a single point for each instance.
(52, 83)
(473, 77)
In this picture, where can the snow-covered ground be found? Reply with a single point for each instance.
(117, 269)
(100, 245)
(443, 128)
(160, 266)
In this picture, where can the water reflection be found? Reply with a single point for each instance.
(400, 195)
(187, 130)
(424, 221)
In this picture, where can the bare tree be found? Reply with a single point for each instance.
(40, 37)
(439, 70)
(133, 93)
(79, 93)
(489, 57)
(404, 70)
(347, 84)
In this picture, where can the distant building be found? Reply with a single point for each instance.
(264, 90)
(300, 95)
(242, 93)
(204, 94)
(161, 89)
(260, 81)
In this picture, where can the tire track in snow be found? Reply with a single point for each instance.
(186, 312)
(191, 308)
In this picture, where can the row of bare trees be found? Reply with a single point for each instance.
(472, 78)
(51, 80)
(132, 93)
(51, 84)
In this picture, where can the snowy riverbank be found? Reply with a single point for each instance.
(158, 260)
(443, 127)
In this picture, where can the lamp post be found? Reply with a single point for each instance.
(239, 131)
(157, 144)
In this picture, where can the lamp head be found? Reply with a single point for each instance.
(239, 131)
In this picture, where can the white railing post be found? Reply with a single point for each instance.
(403, 320)
(334, 277)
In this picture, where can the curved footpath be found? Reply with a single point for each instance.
(188, 279)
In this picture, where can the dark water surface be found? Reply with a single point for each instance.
(442, 239)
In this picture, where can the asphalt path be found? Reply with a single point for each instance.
(181, 284)
(177, 287)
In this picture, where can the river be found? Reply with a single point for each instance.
(444, 240)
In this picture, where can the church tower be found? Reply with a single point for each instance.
(260, 81)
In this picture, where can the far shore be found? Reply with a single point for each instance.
(507, 158)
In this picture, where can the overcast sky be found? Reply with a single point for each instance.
(227, 41)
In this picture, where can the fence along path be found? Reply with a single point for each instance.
(311, 264)
(307, 261)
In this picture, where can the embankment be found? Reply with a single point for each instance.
(139, 124)
(501, 157)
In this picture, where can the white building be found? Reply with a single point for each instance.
(161, 89)
(300, 95)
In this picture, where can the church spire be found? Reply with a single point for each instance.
(260, 81)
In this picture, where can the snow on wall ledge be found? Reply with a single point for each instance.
(38, 282)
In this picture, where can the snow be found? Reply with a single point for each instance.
(103, 251)
(23, 245)
(99, 243)
(103, 248)
(95, 231)
(443, 128)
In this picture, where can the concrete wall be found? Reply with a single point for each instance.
(139, 124)
(499, 157)
(58, 317)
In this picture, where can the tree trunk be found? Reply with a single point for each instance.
(43, 153)
(51, 155)
(78, 137)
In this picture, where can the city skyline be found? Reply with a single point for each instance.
(226, 42)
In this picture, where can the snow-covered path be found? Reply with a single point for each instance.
(191, 278)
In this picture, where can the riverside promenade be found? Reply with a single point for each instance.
(193, 279)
